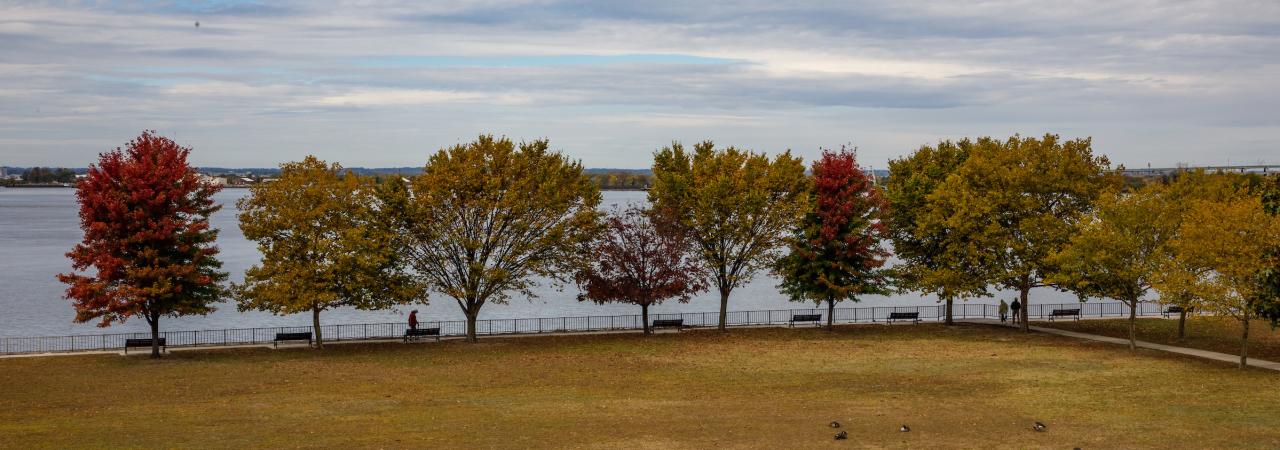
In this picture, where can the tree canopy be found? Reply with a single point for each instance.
(836, 251)
(1018, 202)
(145, 215)
(736, 205)
(323, 245)
(936, 256)
(488, 218)
(639, 259)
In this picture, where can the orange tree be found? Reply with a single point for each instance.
(145, 215)
(836, 251)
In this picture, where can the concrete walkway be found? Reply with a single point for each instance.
(1223, 357)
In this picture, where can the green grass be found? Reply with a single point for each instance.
(1219, 334)
(967, 386)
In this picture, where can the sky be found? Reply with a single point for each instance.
(384, 84)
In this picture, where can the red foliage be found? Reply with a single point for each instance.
(144, 212)
(640, 259)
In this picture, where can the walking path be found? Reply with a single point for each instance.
(1223, 357)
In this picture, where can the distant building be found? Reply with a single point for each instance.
(216, 181)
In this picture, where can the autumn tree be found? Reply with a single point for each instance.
(936, 256)
(736, 205)
(1268, 304)
(488, 218)
(1229, 241)
(1120, 250)
(145, 215)
(640, 260)
(1018, 202)
(836, 251)
(324, 245)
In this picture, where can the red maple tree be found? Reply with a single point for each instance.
(836, 251)
(145, 215)
(642, 260)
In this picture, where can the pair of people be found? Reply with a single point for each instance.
(1004, 310)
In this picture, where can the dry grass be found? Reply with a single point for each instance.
(965, 386)
(1219, 334)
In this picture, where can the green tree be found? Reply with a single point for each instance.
(1120, 249)
(936, 257)
(323, 244)
(1268, 306)
(1227, 242)
(1017, 203)
(837, 252)
(736, 205)
(484, 219)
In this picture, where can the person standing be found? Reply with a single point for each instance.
(1004, 311)
(413, 319)
(1014, 309)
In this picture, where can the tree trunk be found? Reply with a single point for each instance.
(950, 320)
(831, 312)
(1244, 344)
(644, 314)
(471, 325)
(154, 321)
(1024, 294)
(1182, 325)
(724, 307)
(1133, 325)
(315, 326)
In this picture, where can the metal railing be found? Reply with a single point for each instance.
(372, 331)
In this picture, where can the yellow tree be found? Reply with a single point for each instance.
(935, 257)
(1017, 202)
(488, 218)
(1120, 249)
(1225, 244)
(323, 246)
(736, 205)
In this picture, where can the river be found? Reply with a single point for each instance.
(38, 226)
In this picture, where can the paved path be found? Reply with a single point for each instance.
(1223, 357)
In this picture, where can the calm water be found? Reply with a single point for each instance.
(38, 227)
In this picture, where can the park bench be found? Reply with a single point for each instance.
(1064, 313)
(815, 318)
(418, 333)
(912, 316)
(678, 324)
(142, 343)
(303, 336)
(1175, 309)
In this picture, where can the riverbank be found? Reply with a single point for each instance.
(966, 386)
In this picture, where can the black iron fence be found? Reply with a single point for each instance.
(372, 331)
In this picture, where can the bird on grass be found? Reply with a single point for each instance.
(904, 428)
(835, 424)
(842, 435)
(1038, 426)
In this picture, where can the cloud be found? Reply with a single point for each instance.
(258, 83)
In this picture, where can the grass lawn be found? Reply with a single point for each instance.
(1220, 334)
(968, 386)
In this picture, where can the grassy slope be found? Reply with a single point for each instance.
(967, 386)
(1220, 334)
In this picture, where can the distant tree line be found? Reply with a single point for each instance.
(491, 220)
(47, 175)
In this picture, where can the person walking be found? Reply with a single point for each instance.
(1004, 311)
(1014, 309)
(413, 319)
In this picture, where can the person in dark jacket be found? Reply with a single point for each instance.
(1014, 309)
(413, 319)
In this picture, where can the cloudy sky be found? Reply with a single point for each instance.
(374, 83)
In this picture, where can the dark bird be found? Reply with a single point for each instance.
(197, 24)
(904, 429)
(842, 435)
(835, 424)
(1038, 426)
